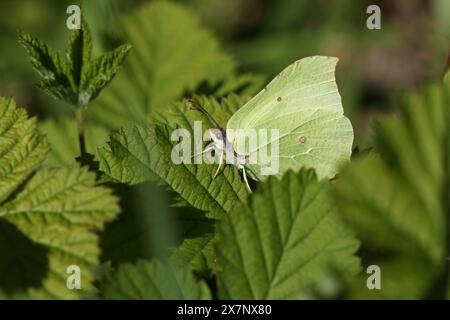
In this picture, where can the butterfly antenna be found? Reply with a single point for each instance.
(195, 105)
(207, 149)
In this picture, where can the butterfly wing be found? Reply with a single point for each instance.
(304, 104)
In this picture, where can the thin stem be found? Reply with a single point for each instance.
(80, 117)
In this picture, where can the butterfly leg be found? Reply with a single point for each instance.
(220, 164)
(246, 181)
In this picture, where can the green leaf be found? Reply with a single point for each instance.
(172, 54)
(79, 52)
(61, 209)
(154, 280)
(77, 80)
(285, 238)
(48, 63)
(196, 249)
(167, 69)
(58, 209)
(22, 149)
(142, 153)
(56, 91)
(397, 201)
(100, 72)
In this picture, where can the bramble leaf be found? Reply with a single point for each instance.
(79, 52)
(48, 63)
(22, 149)
(58, 209)
(51, 66)
(142, 153)
(61, 209)
(153, 280)
(99, 72)
(284, 239)
(397, 201)
(77, 80)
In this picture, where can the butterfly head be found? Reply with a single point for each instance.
(218, 137)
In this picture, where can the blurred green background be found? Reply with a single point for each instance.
(263, 36)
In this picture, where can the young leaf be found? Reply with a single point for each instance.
(77, 80)
(398, 201)
(51, 66)
(98, 73)
(57, 91)
(48, 63)
(154, 280)
(79, 52)
(282, 240)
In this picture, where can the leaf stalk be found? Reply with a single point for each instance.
(80, 118)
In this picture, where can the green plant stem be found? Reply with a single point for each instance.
(80, 117)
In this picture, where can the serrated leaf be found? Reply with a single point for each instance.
(56, 90)
(141, 153)
(171, 55)
(196, 249)
(99, 72)
(154, 280)
(22, 149)
(78, 80)
(282, 240)
(397, 201)
(61, 209)
(48, 63)
(79, 52)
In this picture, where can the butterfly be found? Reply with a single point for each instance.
(304, 106)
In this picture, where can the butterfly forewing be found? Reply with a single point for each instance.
(304, 104)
